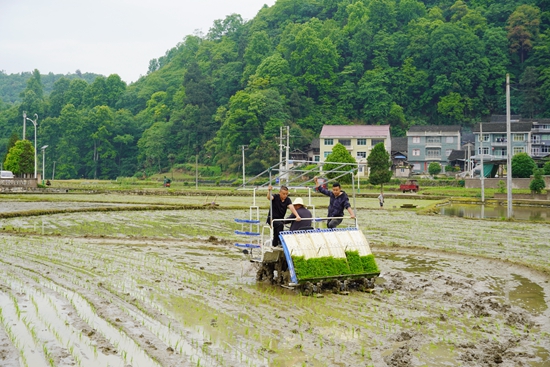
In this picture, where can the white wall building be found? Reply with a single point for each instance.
(358, 140)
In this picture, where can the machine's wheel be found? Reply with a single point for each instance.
(308, 289)
(345, 286)
(265, 272)
(281, 267)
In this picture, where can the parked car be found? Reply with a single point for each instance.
(6, 174)
(409, 186)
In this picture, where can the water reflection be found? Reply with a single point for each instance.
(485, 211)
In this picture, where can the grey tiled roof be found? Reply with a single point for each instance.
(399, 144)
(457, 154)
(502, 118)
(434, 128)
(500, 127)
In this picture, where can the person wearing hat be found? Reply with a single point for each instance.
(304, 213)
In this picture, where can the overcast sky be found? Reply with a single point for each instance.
(103, 36)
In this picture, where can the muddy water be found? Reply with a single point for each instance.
(485, 211)
(197, 303)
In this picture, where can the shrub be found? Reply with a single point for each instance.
(546, 168)
(522, 165)
(537, 184)
(501, 187)
(434, 168)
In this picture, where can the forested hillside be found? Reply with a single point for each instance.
(302, 63)
(11, 85)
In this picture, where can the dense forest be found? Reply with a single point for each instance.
(301, 63)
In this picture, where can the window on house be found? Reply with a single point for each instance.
(545, 137)
(361, 141)
(376, 141)
(486, 137)
(518, 137)
(329, 141)
(535, 151)
(416, 152)
(361, 154)
(327, 153)
(485, 150)
(448, 152)
(519, 150)
(449, 139)
(345, 142)
(416, 139)
(433, 139)
(545, 149)
(545, 127)
(433, 153)
(317, 158)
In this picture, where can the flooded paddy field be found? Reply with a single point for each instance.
(168, 288)
(8, 206)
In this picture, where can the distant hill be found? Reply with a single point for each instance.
(11, 85)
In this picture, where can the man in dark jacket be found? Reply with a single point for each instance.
(279, 203)
(338, 202)
(304, 214)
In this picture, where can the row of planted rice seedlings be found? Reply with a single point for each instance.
(191, 326)
(83, 284)
(21, 330)
(50, 317)
(124, 344)
(172, 334)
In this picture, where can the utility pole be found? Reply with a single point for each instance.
(244, 147)
(53, 171)
(287, 152)
(508, 150)
(24, 123)
(482, 168)
(280, 150)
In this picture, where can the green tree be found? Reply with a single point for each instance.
(314, 61)
(379, 165)
(522, 165)
(13, 139)
(546, 168)
(339, 156)
(434, 168)
(58, 97)
(259, 47)
(151, 144)
(530, 96)
(523, 28)
(20, 159)
(537, 184)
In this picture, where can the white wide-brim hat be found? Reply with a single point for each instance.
(299, 201)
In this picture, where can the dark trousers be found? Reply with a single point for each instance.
(277, 227)
(333, 223)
